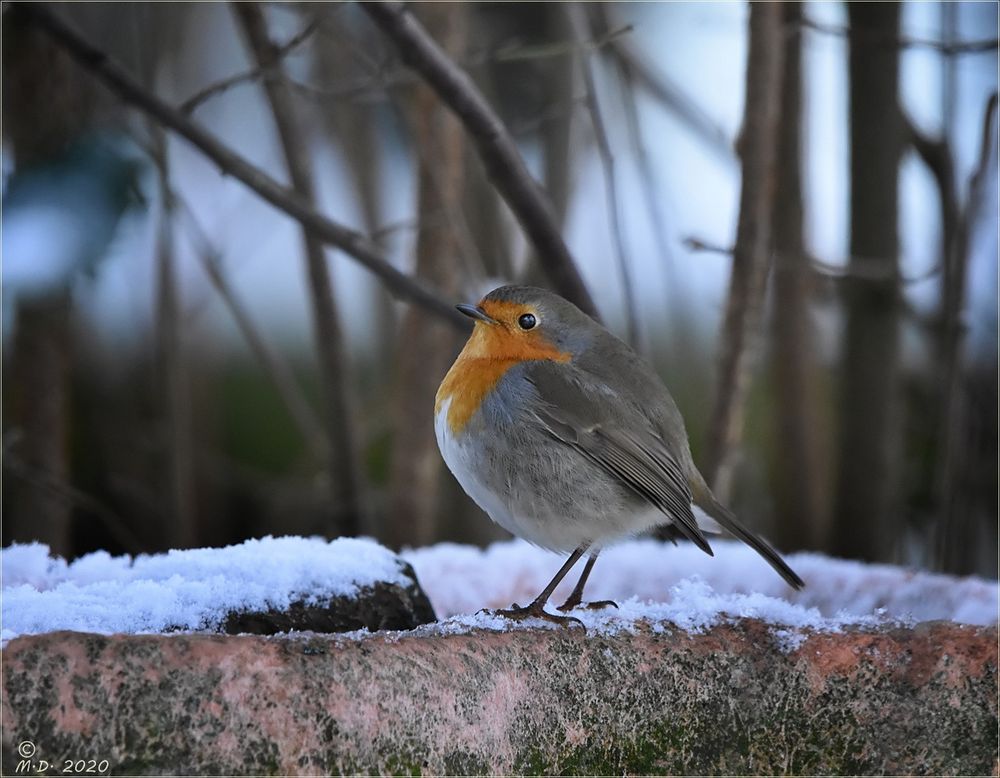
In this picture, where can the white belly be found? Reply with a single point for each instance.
(460, 462)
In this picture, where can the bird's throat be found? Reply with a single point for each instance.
(490, 352)
(467, 384)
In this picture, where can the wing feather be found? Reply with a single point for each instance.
(626, 447)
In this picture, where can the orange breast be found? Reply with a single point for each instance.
(467, 384)
(490, 352)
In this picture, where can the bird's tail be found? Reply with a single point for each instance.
(705, 500)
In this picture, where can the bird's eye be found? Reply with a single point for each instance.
(526, 321)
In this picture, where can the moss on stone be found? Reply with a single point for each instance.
(525, 702)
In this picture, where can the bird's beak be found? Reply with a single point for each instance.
(475, 312)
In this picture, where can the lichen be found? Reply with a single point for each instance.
(729, 701)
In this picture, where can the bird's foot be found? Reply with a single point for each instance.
(535, 611)
(597, 605)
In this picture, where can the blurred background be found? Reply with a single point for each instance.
(812, 270)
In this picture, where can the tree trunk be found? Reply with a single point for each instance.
(47, 105)
(173, 379)
(344, 472)
(799, 519)
(556, 135)
(865, 525)
(426, 345)
(356, 128)
(741, 328)
(41, 376)
(962, 440)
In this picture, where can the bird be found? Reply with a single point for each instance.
(567, 438)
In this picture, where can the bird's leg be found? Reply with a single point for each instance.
(537, 607)
(576, 598)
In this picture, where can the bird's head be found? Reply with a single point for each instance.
(524, 322)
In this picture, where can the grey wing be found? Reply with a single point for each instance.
(617, 438)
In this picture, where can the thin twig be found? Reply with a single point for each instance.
(493, 143)
(55, 486)
(652, 197)
(937, 157)
(862, 269)
(985, 146)
(581, 27)
(219, 87)
(751, 254)
(370, 89)
(301, 412)
(173, 384)
(952, 422)
(644, 162)
(346, 483)
(556, 111)
(584, 45)
(673, 98)
(374, 87)
(352, 243)
(875, 37)
(439, 142)
(453, 213)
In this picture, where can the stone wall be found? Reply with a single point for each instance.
(736, 699)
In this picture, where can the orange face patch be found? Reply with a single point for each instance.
(490, 352)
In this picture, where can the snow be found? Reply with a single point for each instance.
(187, 590)
(657, 587)
(463, 579)
(692, 605)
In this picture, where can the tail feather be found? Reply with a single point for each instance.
(707, 502)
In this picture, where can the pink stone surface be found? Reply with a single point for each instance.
(916, 701)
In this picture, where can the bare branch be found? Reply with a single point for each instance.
(640, 149)
(493, 143)
(302, 413)
(672, 97)
(346, 483)
(219, 87)
(173, 384)
(953, 459)
(800, 510)
(703, 246)
(985, 145)
(413, 507)
(352, 243)
(584, 45)
(70, 495)
(859, 268)
(373, 87)
(581, 26)
(876, 37)
(557, 111)
(504, 54)
(751, 255)
(937, 157)
(450, 210)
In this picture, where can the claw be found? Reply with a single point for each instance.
(593, 606)
(534, 611)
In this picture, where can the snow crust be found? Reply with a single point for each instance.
(187, 590)
(657, 587)
(684, 585)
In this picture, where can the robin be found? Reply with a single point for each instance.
(568, 439)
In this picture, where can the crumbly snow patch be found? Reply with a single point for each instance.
(657, 587)
(187, 590)
(693, 607)
(660, 581)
